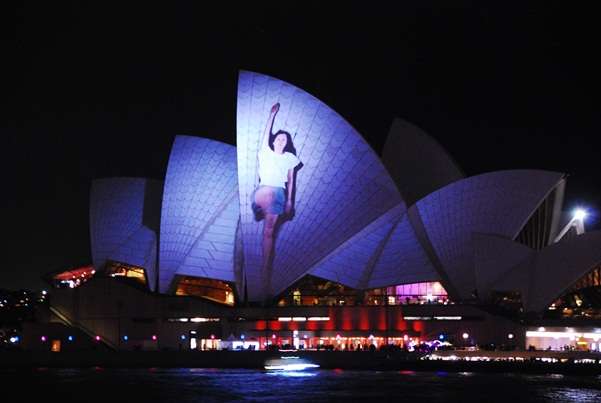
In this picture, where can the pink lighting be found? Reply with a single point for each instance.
(43, 338)
(97, 338)
(154, 337)
(415, 293)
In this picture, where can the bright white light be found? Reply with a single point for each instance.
(465, 335)
(510, 336)
(579, 214)
(290, 363)
(198, 320)
(290, 367)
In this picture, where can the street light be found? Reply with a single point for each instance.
(579, 214)
(577, 221)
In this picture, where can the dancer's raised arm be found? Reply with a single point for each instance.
(274, 110)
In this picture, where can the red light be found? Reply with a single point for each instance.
(418, 326)
(400, 325)
(330, 324)
(347, 319)
(275, 325)
(363, 319)
(312, 325)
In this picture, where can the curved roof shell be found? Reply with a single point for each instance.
(418, 164)
(341, 188)
(493, 203)
(200, 211)
(124, 216)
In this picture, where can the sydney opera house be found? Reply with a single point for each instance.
(399, 248)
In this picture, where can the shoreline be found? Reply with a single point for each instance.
(368, 361)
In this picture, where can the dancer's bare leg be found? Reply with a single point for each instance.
(264, 198)
(268, 230)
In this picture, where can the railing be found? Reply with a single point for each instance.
(65, 319)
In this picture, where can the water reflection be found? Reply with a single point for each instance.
(292, 374)
(574, 395)
(184, 385)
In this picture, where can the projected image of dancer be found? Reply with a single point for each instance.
(273, 196)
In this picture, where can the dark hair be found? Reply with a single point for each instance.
(289, 145)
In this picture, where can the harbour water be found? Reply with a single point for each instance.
(183, 385)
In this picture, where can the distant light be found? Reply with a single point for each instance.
(44, 292)
(273, 336)
(242, 336)
(441, 337)
(183, 337)
(97, 338)
(465, 335)
(541, 329)
(154, 337)
(43, 338)
(510, 336)
(70, 338)
(212, 336)
(579, 214)
(14, 339)
(125, 338)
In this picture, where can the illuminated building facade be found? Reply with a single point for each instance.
(364, 251)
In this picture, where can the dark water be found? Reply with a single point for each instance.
(215, 385)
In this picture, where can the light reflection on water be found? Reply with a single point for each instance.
(293, 374)
(183, 385)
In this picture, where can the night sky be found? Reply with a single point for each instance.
(101, 90)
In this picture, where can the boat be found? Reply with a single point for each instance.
(289, 363)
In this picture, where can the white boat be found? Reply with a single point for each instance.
(289, 363)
